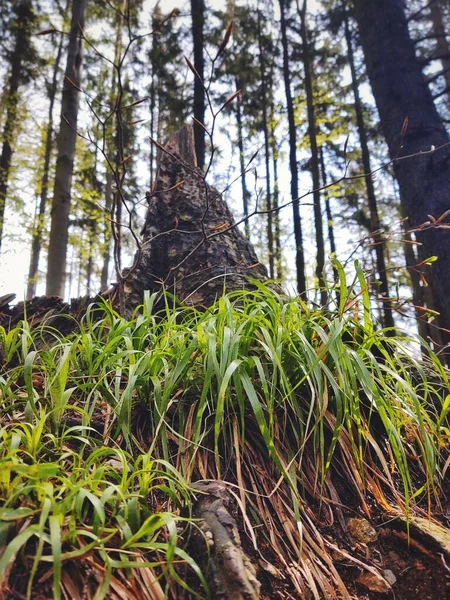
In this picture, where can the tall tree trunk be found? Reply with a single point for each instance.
(24, 17)
(276, 203)
(442, 45)
(245, 192)
(265, 117)
(59, 229)
(315, 172)
(111, 149)
(423, 174)
(276, 187)
(375, 227)
(153, 92)
(299, 250)
(198, 20)
(36, 240)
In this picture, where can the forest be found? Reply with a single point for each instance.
(225, 320)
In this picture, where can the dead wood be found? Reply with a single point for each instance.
(191, 245)
(231, 575)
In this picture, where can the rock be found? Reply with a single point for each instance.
(362, 530)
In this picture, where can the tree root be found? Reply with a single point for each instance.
(230, 573)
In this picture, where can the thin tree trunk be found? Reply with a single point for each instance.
(245, 192)
(110, 201)
(276, 188)
(59, 229)
(299, 251)
(153, 92)
(36, 241)
(198, 20)
(442, 45)
(401, 93)
(375, 227)
(24, 17)
(262, 67)
(276, 219)
(312, 131)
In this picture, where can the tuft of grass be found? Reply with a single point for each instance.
(300, 410)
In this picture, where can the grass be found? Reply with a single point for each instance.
(302, 411)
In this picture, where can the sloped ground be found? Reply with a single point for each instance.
(313, 418)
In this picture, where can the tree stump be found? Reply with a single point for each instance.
(191, 245)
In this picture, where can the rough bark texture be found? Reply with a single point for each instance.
(198, 20)
(401, 92)
(231, 574)
(191, 246)
(59, 229)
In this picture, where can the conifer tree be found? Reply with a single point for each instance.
(59, 230)
(298, 234)
(20, 60)
(413, 129)
(198, 21)
(38, 227)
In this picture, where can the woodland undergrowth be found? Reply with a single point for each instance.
(302, 411)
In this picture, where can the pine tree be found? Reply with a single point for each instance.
(38, 228)
(299, 250)
(375, 225)
(412, 128)
(198, 20)
(59, 230)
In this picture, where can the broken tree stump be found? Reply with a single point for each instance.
(191, 245)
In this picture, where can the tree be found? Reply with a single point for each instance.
(299, 251)
(315, 169)
(59, 229)
(198, 20)
(375, 225)
(190, 246)
(412, 129)
(21, 57)
(38, 229)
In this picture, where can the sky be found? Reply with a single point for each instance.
(16, 248)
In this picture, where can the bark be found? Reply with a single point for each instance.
(298, 234)
(379, 242)
(265, 126)
(59, 228)
(231, 575)
(198, 20)
(312, 132)
(190, 244)
(36, 241)
(24, 17)
(401, 92)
